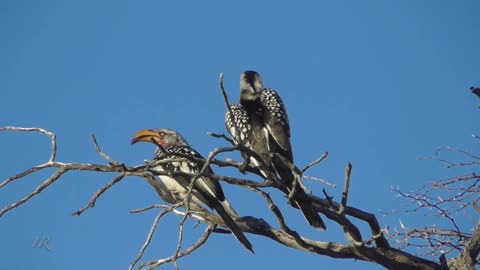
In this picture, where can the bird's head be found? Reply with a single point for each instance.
(163, 136)
(251, 85)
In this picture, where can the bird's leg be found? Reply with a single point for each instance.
(117, 164)
(291, 194)
(243, 167)
(329, 198)
(149, 164)
(246, 162)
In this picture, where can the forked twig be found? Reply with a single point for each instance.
(149, 236)
(154, 264)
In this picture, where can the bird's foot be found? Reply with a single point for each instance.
(243, 167)
(149, 164)
(117, 164)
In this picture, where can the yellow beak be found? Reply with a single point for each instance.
(146, 135)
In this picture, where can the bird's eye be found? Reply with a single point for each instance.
(161, 134)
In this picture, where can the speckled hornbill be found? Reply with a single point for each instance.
(262, 123)
(205, 191)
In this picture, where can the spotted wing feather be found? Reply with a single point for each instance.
(252, 132)
(204, 184)
(242, 123)
(276, 121)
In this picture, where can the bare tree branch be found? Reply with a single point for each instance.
(357, 248)
(54, 177)
(52, 136)
(451, 199)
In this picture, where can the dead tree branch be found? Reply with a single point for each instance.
(375, 250)
(451, 199)
(346, 188)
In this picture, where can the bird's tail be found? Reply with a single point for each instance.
(232, 225)
(308, 210)
(302, 200)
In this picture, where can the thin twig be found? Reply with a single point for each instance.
(319, 180)
(99, 193)
(221, 136)
(346, 188)
(230, 111)
(149, 236)
(50, 134)
(153, 206)
(180, 238)
(299, 172)
(187, 251)
(105, 156)
(315, 162)
(25, 173)
(454, 149)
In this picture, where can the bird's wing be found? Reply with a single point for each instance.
(209, 191)
(207, 186)
(251, 132)
(241, 128)
(275, 119)
(162, 190)
(175, 189)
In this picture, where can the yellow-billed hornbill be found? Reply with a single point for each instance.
(205, 190)
(261, 122)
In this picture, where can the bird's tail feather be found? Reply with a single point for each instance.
(309, 212)
(232, 225)
(301, 200)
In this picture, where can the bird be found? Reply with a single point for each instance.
(205, 191)
(260, 122)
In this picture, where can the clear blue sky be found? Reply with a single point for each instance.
(378, 84)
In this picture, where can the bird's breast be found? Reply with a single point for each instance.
(172, 185)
